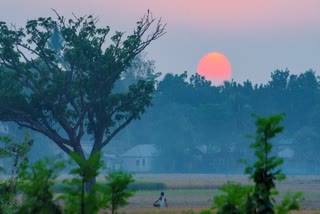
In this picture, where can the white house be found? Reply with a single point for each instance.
(111, 161)
(140, 158)
(285, 148)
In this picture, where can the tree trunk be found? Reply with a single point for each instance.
(82, 196)
(90, 184)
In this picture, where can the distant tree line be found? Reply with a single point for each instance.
(198, 127)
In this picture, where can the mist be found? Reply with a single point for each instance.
(199, 128)
(195, 127)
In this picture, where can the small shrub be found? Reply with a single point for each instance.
(116, 192)
(233, 199)
(14, 154)
(289, 202)
(7, 195)
(35, 183)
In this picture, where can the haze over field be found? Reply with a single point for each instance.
(190, 117)
(213, 102)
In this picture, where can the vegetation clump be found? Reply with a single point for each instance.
(35, 183)
(14, 156)
(259, 199)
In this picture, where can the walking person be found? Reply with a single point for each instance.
(161, 202)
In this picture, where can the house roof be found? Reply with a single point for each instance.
(142, 150)
(87, 147)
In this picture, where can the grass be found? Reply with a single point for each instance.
(193, 193)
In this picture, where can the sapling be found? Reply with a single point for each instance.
(117, 191)
(35, 183)
(75, 197)
(265, 171)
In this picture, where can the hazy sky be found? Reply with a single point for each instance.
(257, 36)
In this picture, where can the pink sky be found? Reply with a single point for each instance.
(230, 15)
(257, 36)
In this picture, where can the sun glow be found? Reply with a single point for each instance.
(215, 67)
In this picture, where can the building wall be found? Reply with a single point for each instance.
(137, 164)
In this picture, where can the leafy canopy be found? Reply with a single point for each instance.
(57, 77)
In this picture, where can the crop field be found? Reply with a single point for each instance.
(192, 193)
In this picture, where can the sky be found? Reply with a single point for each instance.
(256, 36)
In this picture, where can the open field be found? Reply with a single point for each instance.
(191, 193)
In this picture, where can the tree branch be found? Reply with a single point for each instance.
(116, 131)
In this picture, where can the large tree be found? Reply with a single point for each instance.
(65, 92)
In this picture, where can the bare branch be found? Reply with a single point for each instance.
(116, 131)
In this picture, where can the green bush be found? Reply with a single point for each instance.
(147, 186)
(116, 192)
(15, 154)
(233, 199)
(7, 195)
(36, 183)
(289, 202)
(264, 172)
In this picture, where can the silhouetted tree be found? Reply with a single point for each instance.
(64, 99)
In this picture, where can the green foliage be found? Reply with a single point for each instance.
(289, 202)
(139, 185)
(75, 198)
(233, 199)
(112, 194)
(205, 212)
(87, 169)
(58, 78)
(116, 191)
(8, 189)
(36, 181)
(265, 171)
(14, 154)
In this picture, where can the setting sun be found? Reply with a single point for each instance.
(215, 67)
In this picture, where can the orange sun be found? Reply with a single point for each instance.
(215, 67)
